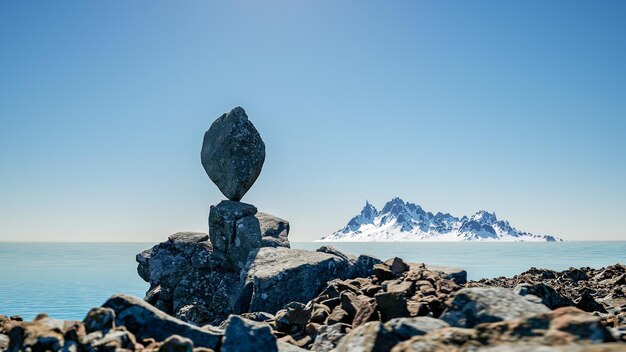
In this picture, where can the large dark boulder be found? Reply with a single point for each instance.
(274, 277)
(243, 335)
(146, 321)
(233, 153)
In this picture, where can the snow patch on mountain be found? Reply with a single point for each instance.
(403, 221)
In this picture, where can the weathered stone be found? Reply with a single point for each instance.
(176, 343)
(233, 153)
(99, 319)
(274, 277)
(365, 312)
(364, 265)
(332, 250)
(405, 328)
(370, 337)
(294, 313)
(550, 297)
(146, 321)
(225, 225)
(383, 272)
(242, 335)
(457, 275)
(391, 305)
(472, 306)
(406, 288)
(397, 265)
(338, 315)
(274, 230)
(328, 336)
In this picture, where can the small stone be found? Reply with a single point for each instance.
(370, 337)
(397, 265)
(405, 328)
(233, 153)
(391, 305)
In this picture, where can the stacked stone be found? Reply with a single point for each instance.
(233, 154)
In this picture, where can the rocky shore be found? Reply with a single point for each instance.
(242, 288)
(330, 301)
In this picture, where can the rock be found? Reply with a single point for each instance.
(233, 153)
(383, 272)
(391, 305)
(472, 306)
(194, 313)
(405, 328)
(589, 304)
(367, 311)
(397, 265)
(582, 325)
(338, 315)
(99, 319)
(242, 335)
(234, 232)
(370, 337)
(114, 340)
(287, 347)
(364, 265)
(332, 250)
(274, 230)
(457, 275)
(176, 343)
(4, 342)
(146, 321)
(328, 336)
(550, 297)
(274, 277)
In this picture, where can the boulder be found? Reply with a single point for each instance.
(457, 275)
(242, 335)
(176, 343)
(370, 337)
(328, 336)
(274, 277)
(146, 321)
(234, 232)
(405, 328)
(233, 153)
(274, 230)
(549, 296)
(472, 306)
(99, 319)
(364, 265)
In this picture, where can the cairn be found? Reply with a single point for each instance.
(233, 154)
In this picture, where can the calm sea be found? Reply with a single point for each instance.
(66, 279)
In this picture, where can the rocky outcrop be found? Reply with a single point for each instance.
(233, 153)
(274, 230)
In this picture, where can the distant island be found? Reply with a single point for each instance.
(403, 221)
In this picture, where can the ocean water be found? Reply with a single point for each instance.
(66, 279)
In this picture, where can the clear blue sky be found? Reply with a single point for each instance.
(517, 107)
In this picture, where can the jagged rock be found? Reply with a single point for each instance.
(370, 337)
(233, 153)
(146, 321)
(114, 340)
(176, 343)
(550, 297)
(242, 335)
(4, 342)
(391, 305)
(472, 306)
(332, 250)
(234, 232)
(405, 328)
(274, 277)
(397, 265)
(99, 319)
(274, 230)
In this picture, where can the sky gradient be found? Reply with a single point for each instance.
(516, 107)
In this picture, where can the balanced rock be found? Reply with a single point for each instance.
(233, 153)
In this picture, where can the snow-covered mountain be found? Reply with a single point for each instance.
(403, 221)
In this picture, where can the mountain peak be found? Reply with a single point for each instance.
(404, 221)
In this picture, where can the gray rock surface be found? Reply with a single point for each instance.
(146, 321)
(405, 328)
(364, 265)
(233, 153)
(176, 343)
(370, 337)
(472, 306)
(234, 232)
(274, 277)
(243, 335)
(328, 336)
(274, 230)
(99, 319)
